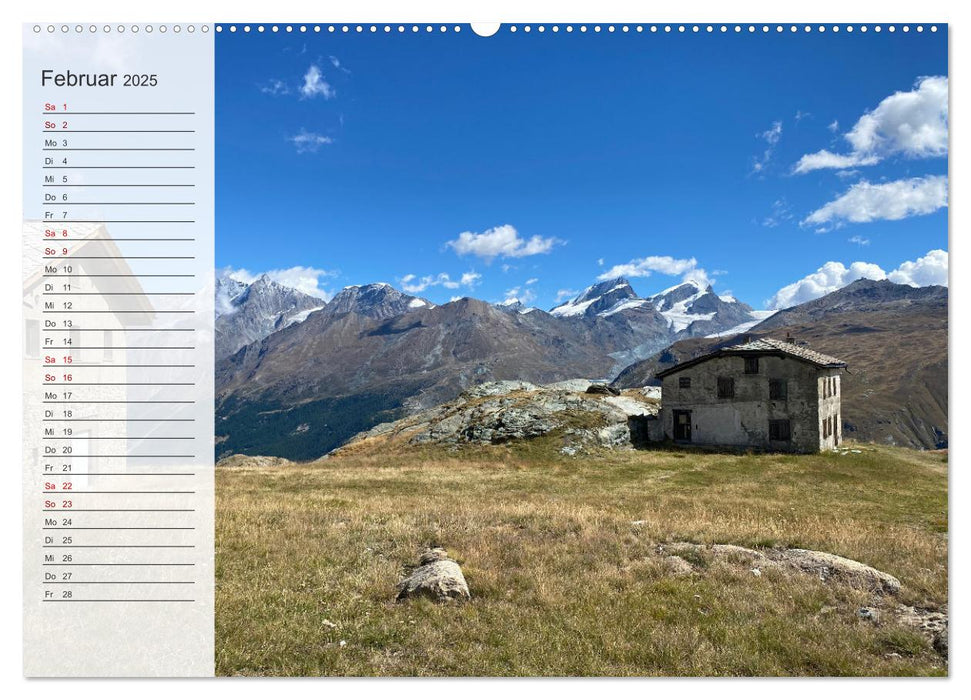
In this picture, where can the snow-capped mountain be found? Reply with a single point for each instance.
(246, 313)
(688, 309)
(613, 310)
(603, 299)
(227, 288)
(693, 309)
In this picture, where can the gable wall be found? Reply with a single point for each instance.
(744, 420)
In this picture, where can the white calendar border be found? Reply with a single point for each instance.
(422, 11)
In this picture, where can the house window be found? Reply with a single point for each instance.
(779, 430)
(751, 365)
(836, 429)
(826, 427)
(684, 382)
(726, 387)
(778, 390)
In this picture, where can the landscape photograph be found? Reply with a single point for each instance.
(582, 350)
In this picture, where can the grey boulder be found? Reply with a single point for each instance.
(437, 578)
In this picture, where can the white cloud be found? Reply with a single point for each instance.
(564, 294)
(665, 264)
(470, 279)
(865, 202)
(834, 126)
(828, 278)
(415, 285)
(913, 124)
(338, 65)
(304, 279)
(532, 280)
(275, 87)
(779, 215)
(520, 294)
(928, 270)
(314, 84)
(698, 275)
(827, 159)
(600, 262)
(859, 240)
(501, 242)
(309, 142)
(771, 136)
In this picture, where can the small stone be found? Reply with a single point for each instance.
(328, 624)
(342, 643)
(431, 555)
(602, 390)
(868, 614)
(756, 572)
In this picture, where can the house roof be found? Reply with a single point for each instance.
(104, 261)
(762, 346)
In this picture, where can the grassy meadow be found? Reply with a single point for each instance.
(560, 556)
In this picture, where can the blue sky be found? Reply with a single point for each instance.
(532, 164)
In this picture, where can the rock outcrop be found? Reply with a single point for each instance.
(831, 566)
(500, 412)
(823, 565)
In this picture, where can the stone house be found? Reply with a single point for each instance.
(91, 348)
(766, 393)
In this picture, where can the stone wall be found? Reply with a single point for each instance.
(743, 421)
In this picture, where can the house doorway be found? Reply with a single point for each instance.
(682, 426)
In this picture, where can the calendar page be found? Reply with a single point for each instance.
(547, 349)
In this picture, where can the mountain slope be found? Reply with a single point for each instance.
(305, 389)
(250, 313)
(894, 338)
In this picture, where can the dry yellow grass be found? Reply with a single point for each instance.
(560, 557)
